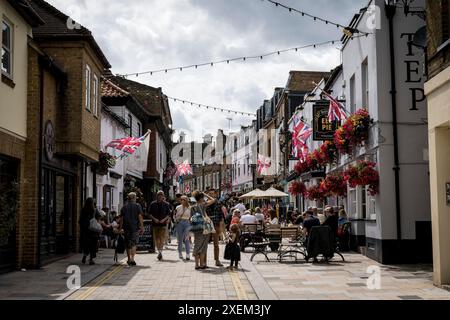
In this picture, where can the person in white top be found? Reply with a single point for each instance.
(183, 226)
(273, 217)
(248, 218)
(259, 215)
(240, 206)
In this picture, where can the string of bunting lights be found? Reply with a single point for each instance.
(199, 105)
(346, 30)
(227, 61)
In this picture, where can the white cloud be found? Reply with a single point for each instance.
(138, 35)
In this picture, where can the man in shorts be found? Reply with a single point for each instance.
(160, 212)
(132, 224)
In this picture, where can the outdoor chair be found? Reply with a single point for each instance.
(322, 241)
(249, 235)
(273, 235)
(292, 243)
(253, 237)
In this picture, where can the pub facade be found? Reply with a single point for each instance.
(382, 72)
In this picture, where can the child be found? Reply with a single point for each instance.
(232, 250)
(236, 218)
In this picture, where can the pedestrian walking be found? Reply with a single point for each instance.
(160, 212)
(199, 222)
(89, 237)
(232, 249)
(183, 226)
(132, 224)
(215, 213)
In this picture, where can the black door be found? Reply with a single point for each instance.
(8, 211)
(56, 214)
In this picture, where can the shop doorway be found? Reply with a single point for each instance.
(56, 215)
(8, 212)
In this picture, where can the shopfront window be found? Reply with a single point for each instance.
(8, 211)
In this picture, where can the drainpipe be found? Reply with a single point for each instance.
(41, 137)
(390, 13)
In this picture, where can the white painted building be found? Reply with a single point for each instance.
(241, 154)
(394, 226)
(110, 186)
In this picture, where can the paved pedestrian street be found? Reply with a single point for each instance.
(173, 279)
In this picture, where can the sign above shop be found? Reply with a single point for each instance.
(323, 129)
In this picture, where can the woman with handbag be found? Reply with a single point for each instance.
(90, 230)
(201, 227)
(183, 225)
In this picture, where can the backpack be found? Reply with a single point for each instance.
(197, 220)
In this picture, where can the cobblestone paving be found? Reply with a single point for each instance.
(346, 280)
(170, 279)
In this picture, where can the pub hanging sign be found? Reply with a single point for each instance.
(323, 129)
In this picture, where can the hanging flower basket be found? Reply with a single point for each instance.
(297, 188)
(106, 162)
(312, 161)
(353, 132)
(316, 193)
(301, 167)
(335, 185)
(327, 153)
(363, 174)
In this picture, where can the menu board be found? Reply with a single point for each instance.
(146, 239)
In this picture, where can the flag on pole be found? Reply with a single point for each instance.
(127, 145)
(336, 111)
(264, 163)
(138, 160)
(302, 132)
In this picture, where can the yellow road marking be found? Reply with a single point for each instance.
(238, 287)
(100, 282)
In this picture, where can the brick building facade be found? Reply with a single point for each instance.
(63, 129)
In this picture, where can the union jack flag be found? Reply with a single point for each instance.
(302, 132)
(264, 163)
(336, 111)
(127, 145)
(184, 168)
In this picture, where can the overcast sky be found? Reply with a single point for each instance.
(141, 35)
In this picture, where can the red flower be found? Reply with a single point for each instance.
(301, 167)
(353, 132)
(363, 174)
(315, 193)
(335, 184)
(297, 188)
